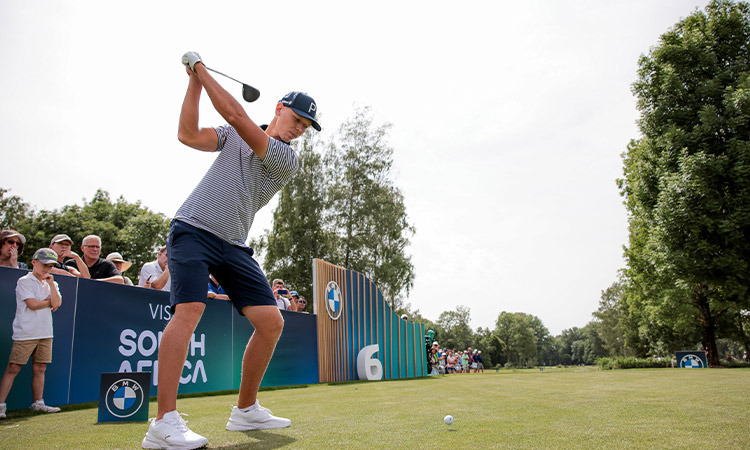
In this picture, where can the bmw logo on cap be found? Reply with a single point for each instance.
(333, 300)
(124, 398)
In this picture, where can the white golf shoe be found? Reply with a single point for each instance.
(255, 417)
(171, 433)
(40, 406)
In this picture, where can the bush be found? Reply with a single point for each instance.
(733, 364)
(633, 363)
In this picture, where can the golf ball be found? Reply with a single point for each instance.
(448, 420)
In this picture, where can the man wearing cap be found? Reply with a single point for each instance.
(62, 244)
(99, 268)
(208, 234)
(121, 265)
(155, 274)
(11, 246)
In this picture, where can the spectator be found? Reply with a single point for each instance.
(155, 274)
(12, 246)
(450, 362)
(62, 244)
(465, 358)
(432, 361)
(37, 297)
(121, 265)
(99, 268)
(480, 365)
(215, 290)
(441, 361)
(282, 295)
(474, 361)
(301, 303)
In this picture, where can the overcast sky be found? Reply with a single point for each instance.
(509, 119)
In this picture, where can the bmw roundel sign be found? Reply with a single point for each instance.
(333, 300)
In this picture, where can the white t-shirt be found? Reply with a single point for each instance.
(153, 270)
(30, 324)
(282, 303)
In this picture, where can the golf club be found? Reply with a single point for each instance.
(249, 93)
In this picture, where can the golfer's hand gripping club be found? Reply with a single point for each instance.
(189, 59)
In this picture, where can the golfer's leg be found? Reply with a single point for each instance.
(173, 351)
(268, 325)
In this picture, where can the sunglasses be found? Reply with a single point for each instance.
(13, 242)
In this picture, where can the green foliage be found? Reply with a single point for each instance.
(343, 207)
(124, 227)
(687, 183)
(631, 362)
(455, 331)
(522, 339)
(299, 231)
(12, 210)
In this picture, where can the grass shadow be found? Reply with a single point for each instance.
(264, 440)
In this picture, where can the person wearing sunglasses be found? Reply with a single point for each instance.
(12, 243)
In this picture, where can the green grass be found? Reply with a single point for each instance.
(552, 409)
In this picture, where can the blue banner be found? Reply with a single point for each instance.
(104, 327)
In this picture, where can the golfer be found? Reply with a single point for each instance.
(208, 234)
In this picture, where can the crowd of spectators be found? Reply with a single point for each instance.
(445, 361)
(38, 295)
(154, 274)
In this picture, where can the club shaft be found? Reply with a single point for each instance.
(225, 75)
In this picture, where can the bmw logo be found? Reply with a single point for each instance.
(333, 300)
(691, 362)
(124, 398)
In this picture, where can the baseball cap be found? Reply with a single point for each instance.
(45, 256)
(303, 105)
(117, 257)
(61, 238)
(293, 293)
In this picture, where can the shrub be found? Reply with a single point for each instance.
(630, 362)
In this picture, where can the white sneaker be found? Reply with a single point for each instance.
(255, 418)
(171, 433)
(40, 406)
(2, 410)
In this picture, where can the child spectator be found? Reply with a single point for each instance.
(11, 246)
(37, 296)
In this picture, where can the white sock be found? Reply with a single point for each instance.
(252, 407)
(170, 415)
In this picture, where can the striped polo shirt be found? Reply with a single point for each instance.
(236, 186)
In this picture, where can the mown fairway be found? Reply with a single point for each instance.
(552, 409)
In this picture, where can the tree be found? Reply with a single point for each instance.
(12, 210)
(455, 331)
(517, 337)
(687, 179)
(366, 211)
(611, 316)
(299, 231)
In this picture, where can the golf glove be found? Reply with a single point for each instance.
(189, 59)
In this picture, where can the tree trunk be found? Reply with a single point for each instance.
(708, 327)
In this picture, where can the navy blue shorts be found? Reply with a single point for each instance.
(194, 253)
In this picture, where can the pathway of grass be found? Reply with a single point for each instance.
(554, 408)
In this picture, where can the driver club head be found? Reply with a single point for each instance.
(249, 93)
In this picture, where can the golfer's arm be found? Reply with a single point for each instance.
(233, 112)
(188, 132)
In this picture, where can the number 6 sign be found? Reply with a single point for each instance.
(368, 367)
